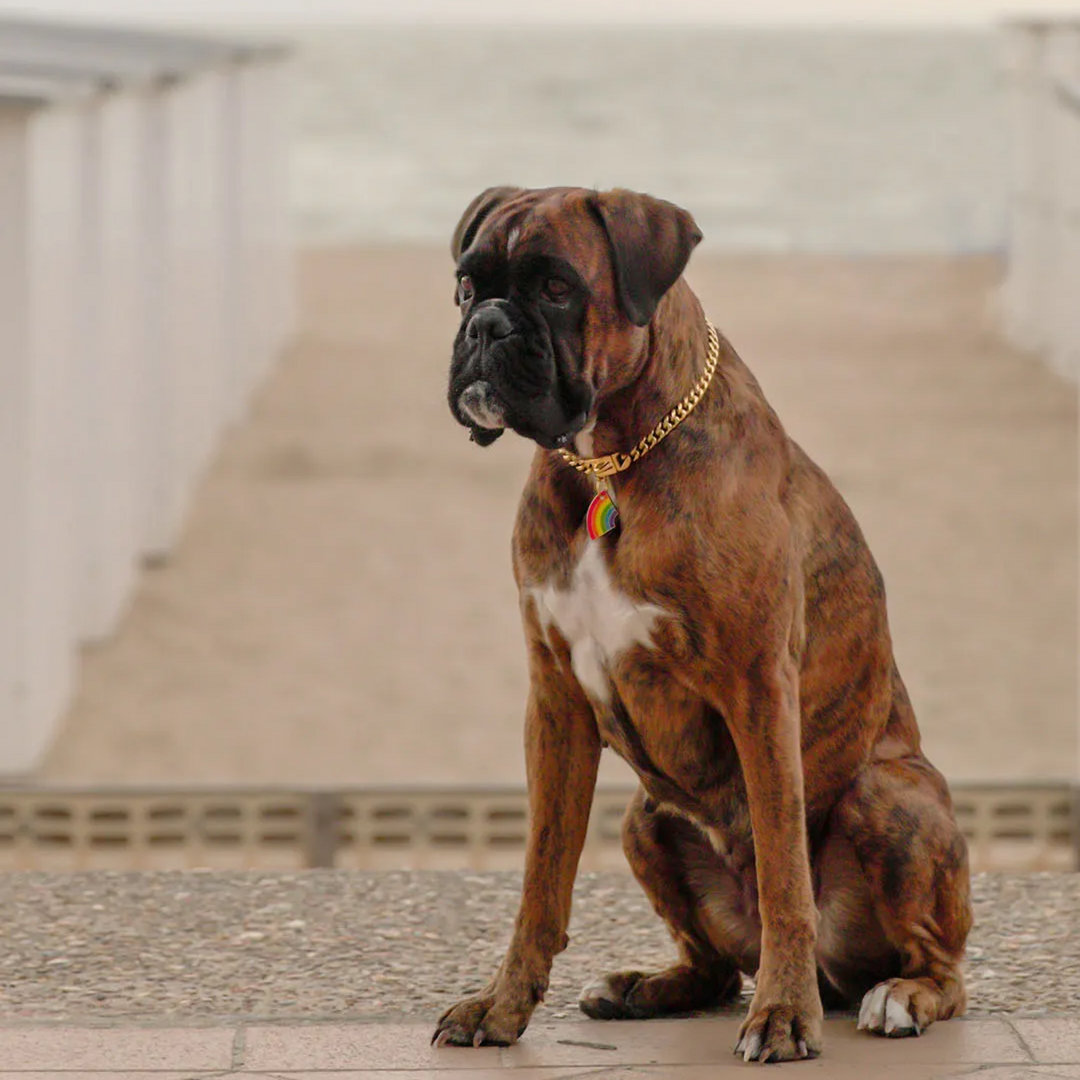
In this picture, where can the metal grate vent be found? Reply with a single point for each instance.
(451, 830)
(1018, 828)
(135, 830)
(1008, 828)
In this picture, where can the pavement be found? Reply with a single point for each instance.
(397, 947)
(691, 1049)
(338, 973)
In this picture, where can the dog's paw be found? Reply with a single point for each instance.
(897, 1008)
(609, 998)
(780, 1033)
(632, 995)
(482, 1020)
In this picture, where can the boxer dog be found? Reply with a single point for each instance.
(697, 596)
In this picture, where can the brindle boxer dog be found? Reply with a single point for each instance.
(729, 640)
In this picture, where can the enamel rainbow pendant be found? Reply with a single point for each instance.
(602, 516)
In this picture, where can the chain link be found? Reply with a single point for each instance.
(610, 464)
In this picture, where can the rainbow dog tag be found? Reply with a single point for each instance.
(602, 516)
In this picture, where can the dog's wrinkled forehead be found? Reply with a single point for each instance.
(635, 242)
(555, 223)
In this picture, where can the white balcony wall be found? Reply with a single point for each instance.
(1041, 295)
(145, 291)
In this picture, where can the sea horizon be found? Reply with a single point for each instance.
(830, 141)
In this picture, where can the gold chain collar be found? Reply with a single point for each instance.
(610, 464)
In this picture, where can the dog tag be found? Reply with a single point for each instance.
(602, 516)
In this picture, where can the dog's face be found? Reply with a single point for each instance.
(555, 286)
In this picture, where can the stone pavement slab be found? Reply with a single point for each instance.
(817, 1069)
(686, 1049)
(78, 1074)
(352, 1046)
(1051, 1039)
(115, 1049)
(709, 1040)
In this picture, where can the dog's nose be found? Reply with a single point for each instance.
(489, 324)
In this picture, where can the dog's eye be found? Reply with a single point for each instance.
(465, 289)
(555, 290)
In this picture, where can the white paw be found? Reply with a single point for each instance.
(884, 1014)
(602, 1001)
(598, 988)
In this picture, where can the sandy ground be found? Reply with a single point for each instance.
(341, 610)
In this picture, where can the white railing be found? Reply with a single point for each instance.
(145, 288)
(1041, 296)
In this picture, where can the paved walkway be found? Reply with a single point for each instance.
(185, 975)
(341, 609)
(698, 1049)
(402, 946)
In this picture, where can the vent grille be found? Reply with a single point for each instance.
(85, 830)
(1019, 828)
(1008, 827)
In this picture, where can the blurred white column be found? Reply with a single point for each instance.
(252, 217)
(40, 278)
(188, 356)
(232, 158)
(1041, 297)
(1030, 155)
(159, 453)
(145, 288)
(265, 214)
(15, 333)
(56, 279)
(1063, 67)
(276, 99)
(108, 462)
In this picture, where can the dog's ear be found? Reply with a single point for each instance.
(474, 216)
(651, 241)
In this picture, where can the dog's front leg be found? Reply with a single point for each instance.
(562, 752)
(785, 1017)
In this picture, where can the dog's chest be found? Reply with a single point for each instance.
(599, 622)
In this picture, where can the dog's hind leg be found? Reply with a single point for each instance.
(894, 898)
(667, 855)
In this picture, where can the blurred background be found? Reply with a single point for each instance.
(256, 606)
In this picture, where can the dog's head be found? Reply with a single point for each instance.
(555, 287)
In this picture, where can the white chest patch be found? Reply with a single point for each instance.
(597, 621)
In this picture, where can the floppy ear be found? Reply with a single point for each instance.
(651, 241)
(474, 216)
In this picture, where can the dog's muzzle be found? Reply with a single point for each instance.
(505, 375)
(480, 404)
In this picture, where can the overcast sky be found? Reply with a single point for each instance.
(739, 11)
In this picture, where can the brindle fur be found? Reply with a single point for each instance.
(788, 825)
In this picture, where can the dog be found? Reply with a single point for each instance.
(697, 596)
